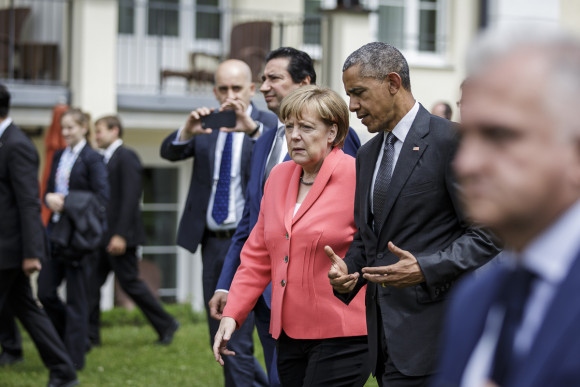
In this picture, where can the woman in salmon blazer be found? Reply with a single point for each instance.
(308, 203)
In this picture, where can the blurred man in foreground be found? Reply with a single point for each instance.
(519, 168)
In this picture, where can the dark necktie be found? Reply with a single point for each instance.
(275, 154)
(383, 180)
(222, 192)
(516, 292)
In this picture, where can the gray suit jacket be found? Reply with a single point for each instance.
(422, 216)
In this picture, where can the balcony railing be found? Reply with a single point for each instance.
(33, 38)
(173, 47)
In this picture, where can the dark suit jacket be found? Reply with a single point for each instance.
(123, 211)
(202, 149)
(422, 216)
(554, 358)
(88, 173)
(21, 229)
(254, 194)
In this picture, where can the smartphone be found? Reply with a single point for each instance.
(216, 120)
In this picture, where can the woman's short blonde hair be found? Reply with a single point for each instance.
(330, 107)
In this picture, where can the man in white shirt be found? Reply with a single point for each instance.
(519, 169)
(215, 201)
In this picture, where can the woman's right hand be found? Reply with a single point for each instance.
(55, 201)
(223, 335)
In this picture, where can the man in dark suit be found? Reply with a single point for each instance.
(412, 241)
(286, 70)
(22, 245)
(519, 169)
(124, 233)
(215, 201)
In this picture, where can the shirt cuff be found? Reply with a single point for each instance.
(222, 291)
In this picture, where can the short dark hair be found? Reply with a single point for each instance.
(300, 65)
(111, 122)
(377, 60)
(4, 101)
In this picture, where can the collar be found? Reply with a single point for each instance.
(402, 128)
(77, 148)
(250, 109)
(108, 153)
(5, 124)
(552, 253)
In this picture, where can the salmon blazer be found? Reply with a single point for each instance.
(288, 250)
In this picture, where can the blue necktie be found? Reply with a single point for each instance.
(383, 180)
(515, 294)
(222, 193)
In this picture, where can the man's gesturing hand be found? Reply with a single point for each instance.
(222, 336)
(406, 272)
(340, 280)
(217, 304)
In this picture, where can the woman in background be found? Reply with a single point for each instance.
(77, 168)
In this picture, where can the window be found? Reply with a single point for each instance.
(160, 216)
(416, 27)
(207, 20)
(312, 21)
(126, 17)
(163, 17)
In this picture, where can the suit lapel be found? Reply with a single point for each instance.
(561, 321)
(367, 161)
(292, 194)
(328, 166)
(411, 152)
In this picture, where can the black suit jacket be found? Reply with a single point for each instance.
(123, 212)
(202, 149)
(21, 229)
(88, 173)
(422, 216)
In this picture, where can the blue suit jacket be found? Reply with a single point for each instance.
(254, 194)
(554, 358)
(202, 148)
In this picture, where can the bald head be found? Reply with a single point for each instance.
(233, 80)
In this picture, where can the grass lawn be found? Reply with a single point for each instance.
(128, 356)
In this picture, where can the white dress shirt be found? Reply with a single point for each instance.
(400, 131)
(108, 153)
(549, 257)
(4, 124)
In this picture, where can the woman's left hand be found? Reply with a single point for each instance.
(223, 335)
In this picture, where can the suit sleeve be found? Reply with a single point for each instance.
(232, 259)
(98, 177)
(23, 178)
(131, 174)
(475, 247)
(351, 143)
(175, 152)
(355, 257)
(253, 275)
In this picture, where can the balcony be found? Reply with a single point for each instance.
(168, 50)
(33, 40)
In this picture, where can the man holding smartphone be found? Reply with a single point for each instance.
(216, 195)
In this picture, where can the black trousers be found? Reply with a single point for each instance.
(126, 269)
(243, 369)
(10, 339)
(334, 362)
(16, 294)
(387, 374)
(71, 320)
